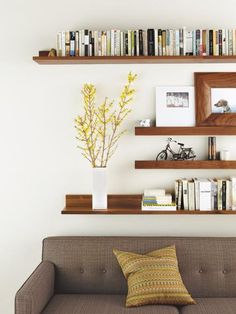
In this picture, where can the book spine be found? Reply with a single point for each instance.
(159, 42)
(233, 183)
(224, 42)
(126, 44)
(211, 42)
(171, 42)
(230, 42)
(204, 42)
(141, 51)
(117, 43)
(63, 44)
(137, 43)
(220, 43)
(150, 39)
(104, 43)
(129, 43)
(198, 35)
(223, 195)
(156, 41)
(72, 44)
(67, 43)
(145, 44)
(59, 44)
(108, 44)
(180, 194)
(228, 195)
(167, 42)
(122, 43)
(164, 43)
(86, 42)
(77, 43)
(82, 43)
(185, 194)
(219, 194)
(234, 41)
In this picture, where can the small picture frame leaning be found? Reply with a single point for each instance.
(215, 98)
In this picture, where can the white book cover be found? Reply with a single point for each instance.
(160, 207)
(191, 196)
(219, 194)
(63, 44)
(167, 199)
(226, 42)
(137, 42)
(228, 195)
(59, 45)
(117, 43)
(185, 194)
(156, 41)
(188, 43)
(129, 43)
(99, 43)
(230, 38)
(82, 43)
(154, 192)
(233, 180)
(104, 43)
(171, 42)
(196, 190)
(180, 195)
(122, 44)
(214, 193)
(176, 191)
(108, 44)
(234, 42)
(184, 40)
(204, 194)
(112, 42)
(177, 53)
(194, 43)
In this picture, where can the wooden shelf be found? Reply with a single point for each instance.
(125, 205)
(198, 130)
(140, 59)
(185, 164)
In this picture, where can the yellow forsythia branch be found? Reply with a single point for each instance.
(98, 129)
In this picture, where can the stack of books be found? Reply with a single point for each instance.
(150, 42)
(157, 200)
(206, 194)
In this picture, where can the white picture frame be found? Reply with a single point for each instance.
(175, 106)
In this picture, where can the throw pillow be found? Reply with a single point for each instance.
(153, 278)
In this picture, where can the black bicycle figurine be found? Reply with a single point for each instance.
(183, 153)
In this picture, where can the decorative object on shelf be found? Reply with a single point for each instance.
(175, 106)
(182, 154)
(215, 98)
(145, 123)
(212, 148)
(52, 53)
(98, 132)
(44, 53)
(224, 155)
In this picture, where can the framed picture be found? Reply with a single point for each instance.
(175, 106)
(215, 98)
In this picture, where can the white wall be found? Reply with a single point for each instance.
(39, 160)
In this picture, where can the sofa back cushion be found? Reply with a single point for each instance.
(87, 264)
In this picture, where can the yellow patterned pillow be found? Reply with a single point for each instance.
(153, 278)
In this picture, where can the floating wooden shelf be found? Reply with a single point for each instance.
(185, 164)
(140, 59)
(198, 130)
(125, 205)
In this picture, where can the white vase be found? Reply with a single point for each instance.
(99, 197)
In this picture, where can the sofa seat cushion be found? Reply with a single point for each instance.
(100, 304)
(211, 306)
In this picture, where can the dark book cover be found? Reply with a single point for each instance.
(224, 195)
(135, 43)
(140, 38)
(151, 42)
(198, 36)
(91, 41)
(86, 42)
(220, 42)
(211, 42)
(126, 44)
(72, 44)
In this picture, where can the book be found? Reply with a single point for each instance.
(185, 194)
(63, 44)
(228, 195)
(72, 44)
(154, 192)
(180, 195)
(67, 43)
(141, 52)
(204, 194)
(77, 43)
(233, 183)
(59, 44)
(151, 42)
(219, 194)
(223, 194)
(159, 207)
(191, 195)
(159, 42)
(189, 43)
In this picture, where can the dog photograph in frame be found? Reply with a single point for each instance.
(215, 98)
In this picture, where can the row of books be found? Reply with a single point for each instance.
(206, 194)
(157, 200)
(150, 42)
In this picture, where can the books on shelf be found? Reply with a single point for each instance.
(206, 194)
(150, 42)
(157, 200)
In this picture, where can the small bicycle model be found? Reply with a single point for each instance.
(183, 153)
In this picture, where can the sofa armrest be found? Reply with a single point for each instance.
(35, 293)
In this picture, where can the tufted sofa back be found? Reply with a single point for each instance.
(87, 265)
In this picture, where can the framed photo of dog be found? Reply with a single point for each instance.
(215, 98)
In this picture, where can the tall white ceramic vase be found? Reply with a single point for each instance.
(99, 196)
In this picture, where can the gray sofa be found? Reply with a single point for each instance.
(81, 275)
